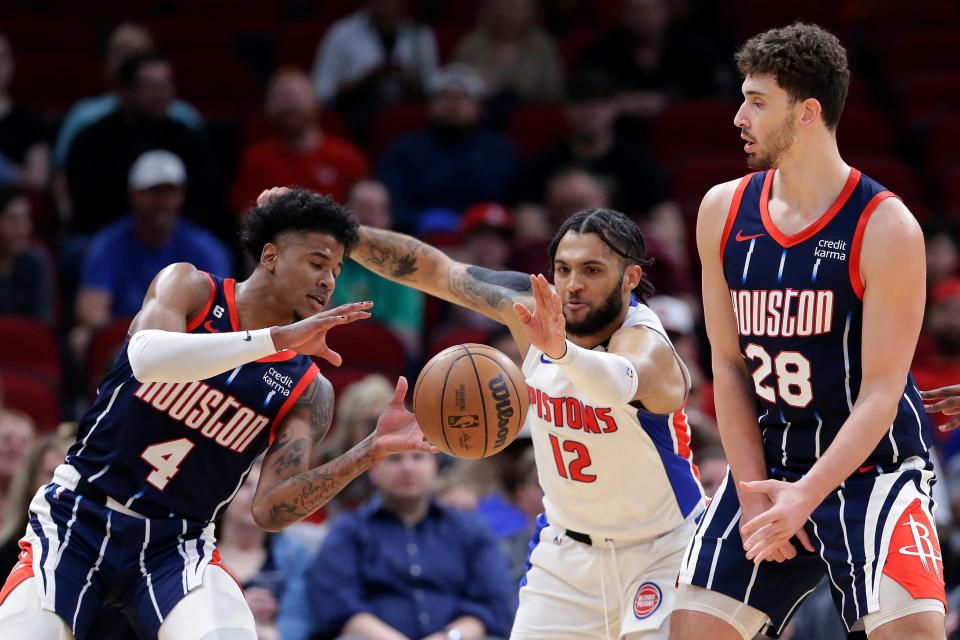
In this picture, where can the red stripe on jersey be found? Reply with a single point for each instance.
(198, 319)
(682, 431)
(298, 390)
(786, 241)
(280, 356)
(229, 286)
(20, 572)
(732, 213)
(856, 279)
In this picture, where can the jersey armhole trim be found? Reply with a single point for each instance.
(198, 319)
(298, 390)
(856, 279)
(229, 294)
(732, 213)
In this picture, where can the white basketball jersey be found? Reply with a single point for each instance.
(612, 472)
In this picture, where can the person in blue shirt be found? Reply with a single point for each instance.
(454, 162)
(123, 258)
(403, 566)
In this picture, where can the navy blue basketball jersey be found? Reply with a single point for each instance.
(798, 302)
(183, 449)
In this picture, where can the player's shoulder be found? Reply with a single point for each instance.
(890, 223)
(715, 209)
(185, 280)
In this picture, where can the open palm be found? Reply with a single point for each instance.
(397, 429)
(545, 326)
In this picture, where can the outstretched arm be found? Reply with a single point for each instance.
(289, 490)
(416, 264)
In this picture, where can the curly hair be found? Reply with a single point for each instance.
(298, 210)
(618, 232)
(807, 62)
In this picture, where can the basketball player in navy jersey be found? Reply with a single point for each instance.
(214, 373)
(813, 286)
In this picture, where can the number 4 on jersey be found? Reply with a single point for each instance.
(165, 458)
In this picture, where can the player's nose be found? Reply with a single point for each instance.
(740, 118)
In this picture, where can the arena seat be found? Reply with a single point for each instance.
(368, 345)
(865, 130)
(459, 335)
(26, 346)
(394, 121)
(534, 128)
(689, 128)
(297, 44)
(102, 350)
(33, 397)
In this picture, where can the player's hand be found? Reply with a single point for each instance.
(262, 604)
(765, 534)
(945, 400)
(397, 429)
(545, 326)
(752, 505)
(309, 336)
(269, 194)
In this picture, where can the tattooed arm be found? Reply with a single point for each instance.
(289, 490)
(416, 264)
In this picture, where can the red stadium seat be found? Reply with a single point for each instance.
(943, 143)
(949, 178)
(749, 17)
(28, 347)
(297, 43)
(341, 377)
(45, 35)
(690, 128)
(103, 350)
(53, 82)
(448, 36)
(575, 44)
(927, 49)
(925, 96)
(396, 120)
(694, 177)
(218, 84)
(866, 130)
(462, 12)
(33, 397)
(179, 35)
(368, 345)
(456, 336)
(890, 16)
(891, 173)
(537, 127)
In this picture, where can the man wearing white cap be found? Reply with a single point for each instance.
(123, 258)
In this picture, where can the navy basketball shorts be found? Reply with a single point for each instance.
(878, 525)
(84, 555)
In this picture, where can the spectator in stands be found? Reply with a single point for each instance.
(24, 153)
(399, 308)
(712, 464)
(26, 278)
(512, 52)
(572, 190)
(455, 162)
(124, 257)
(372, 58)
(635, 182)
(269, 567)
(17, 434)
(404, 566)
(652, 59)
(939, 366)
(127, 40)
(101, 155)
(943, 251)
(298, 152)
(35, 471)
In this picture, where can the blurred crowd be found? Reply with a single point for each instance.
(476, 125)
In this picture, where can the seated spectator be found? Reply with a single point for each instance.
(35, 471)
(299, 152)
(26, 279)
(123, 258)
(712, 463)
(126, 41)
(372, 58)
(403, 566)
(940, 366)
(399, 308)
(635, 182)
(573, 190)
(455, 162)
(943, 251)
(101, 155)
(269, 567)
(512, 52)
(17, 434)
(24, 153)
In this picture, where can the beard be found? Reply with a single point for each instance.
(780, 141)
(597, 319)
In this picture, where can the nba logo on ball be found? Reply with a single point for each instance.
(647, 600)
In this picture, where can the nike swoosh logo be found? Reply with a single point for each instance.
(248, 337)
(544, 360)
(208, 325)
(743, 238)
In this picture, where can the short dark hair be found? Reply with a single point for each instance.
(298, 210)
(129, 68)
(806, 60)
(618, 232)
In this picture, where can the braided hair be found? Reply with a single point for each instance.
(618, 232)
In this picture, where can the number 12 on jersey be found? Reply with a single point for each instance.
(579, 462)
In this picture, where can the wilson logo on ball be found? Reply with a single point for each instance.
(501, 393)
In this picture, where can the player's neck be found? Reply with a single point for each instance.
(589, 341)
(257, 303)
(810, 178)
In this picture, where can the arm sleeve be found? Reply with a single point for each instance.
(334, 591)
(488, 595)
(171, 356)
(606, 379)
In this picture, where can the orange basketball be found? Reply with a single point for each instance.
(470, 400)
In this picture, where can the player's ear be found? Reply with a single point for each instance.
(268, 257)
(632, 276)
(811, 109)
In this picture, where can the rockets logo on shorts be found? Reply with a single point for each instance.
(914, 543)
(647, 600)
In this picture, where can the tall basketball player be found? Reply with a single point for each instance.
(209, 379)
(611, 442)
(813, 285)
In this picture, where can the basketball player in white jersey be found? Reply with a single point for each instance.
(607, 392)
